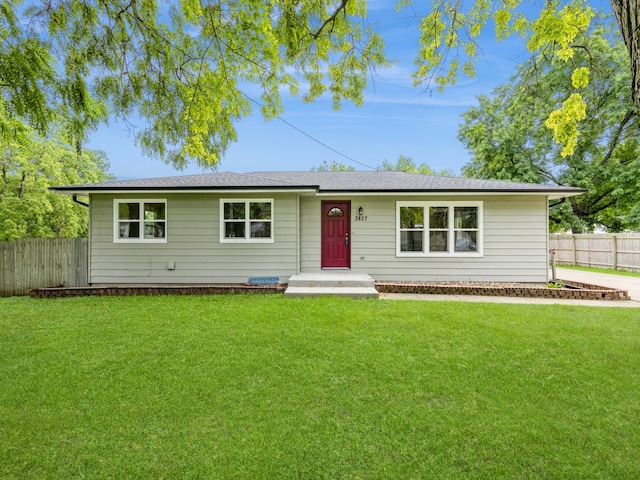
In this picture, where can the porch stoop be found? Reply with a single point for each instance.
(338, 284)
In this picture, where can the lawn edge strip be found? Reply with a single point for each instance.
(581, 292)
(154, 290)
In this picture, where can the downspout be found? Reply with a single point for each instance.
(549, 243)
(298, 222)
(75, 199)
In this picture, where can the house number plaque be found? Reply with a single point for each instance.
(361, 218)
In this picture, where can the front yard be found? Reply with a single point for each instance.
(263, 387)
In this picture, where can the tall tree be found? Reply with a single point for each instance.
(406, 164)
(27, 170)
(627, 13)
(182, 66)
(403, 164)
(507, 139)
(333, 167)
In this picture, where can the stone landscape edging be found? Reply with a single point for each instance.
(584, 291)
(120, 291)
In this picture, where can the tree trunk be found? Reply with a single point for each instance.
(22, 186)
(4, 182)
(627, 13)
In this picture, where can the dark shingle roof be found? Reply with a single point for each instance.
(326, 182)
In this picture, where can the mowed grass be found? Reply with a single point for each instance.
(265, 387)
(609, 271)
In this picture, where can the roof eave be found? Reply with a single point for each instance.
(79, 190)
(130, 190)
(552, 194)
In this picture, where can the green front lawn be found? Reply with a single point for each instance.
(601, 270)
(266, 387)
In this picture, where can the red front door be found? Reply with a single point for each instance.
(336, 234)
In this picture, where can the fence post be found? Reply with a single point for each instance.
(575, 258)
(614, 240)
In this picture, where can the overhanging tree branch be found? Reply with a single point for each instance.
(331, 19)
(616, 136)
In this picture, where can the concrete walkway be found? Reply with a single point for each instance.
(631, 284)
(621, 282)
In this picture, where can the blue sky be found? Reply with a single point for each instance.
(396, 119)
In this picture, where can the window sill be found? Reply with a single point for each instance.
(135, 240)
(439, 255)
(246, 240)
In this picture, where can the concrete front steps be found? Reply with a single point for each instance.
(333, 283)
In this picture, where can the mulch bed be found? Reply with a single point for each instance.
(572, 290)
(116, 291)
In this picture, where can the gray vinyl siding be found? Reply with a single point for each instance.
(193, 244)
(514, 241)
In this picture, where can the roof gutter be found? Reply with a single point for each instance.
(552, 194)
(459, 193)
(164, 191)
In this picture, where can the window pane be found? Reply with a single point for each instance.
(128, 230)
(260, 229)
(234, 211)
(154, 211)
(154, 229)
(411, 241)
(128, 211)
(438, 241)
(234, 230)
(260, 211)
(466, 241)
(335, 212)
(412, 217)
(438, 217)
(466, 217)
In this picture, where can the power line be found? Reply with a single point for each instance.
(291, 125)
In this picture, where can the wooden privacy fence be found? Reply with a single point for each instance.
(42, 262)
(620, 251)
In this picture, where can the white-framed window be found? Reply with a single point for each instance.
(246, 220)
(140, 221)
(438, 229)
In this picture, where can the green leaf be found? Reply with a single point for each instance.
(507, 137)
(580, 77)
